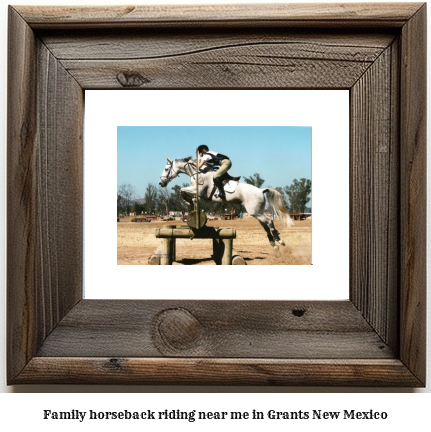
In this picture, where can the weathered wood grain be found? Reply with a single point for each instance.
(217, 371)
(21, 194)
(59, 181)
(139, 44)
(197, 371)
(228, 68)
(213, 60)
(373, 205)
(413, 194)
(229, 329)
(310, 15)
(44, 193)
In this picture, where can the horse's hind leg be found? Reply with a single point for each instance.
(256, 209)
(272, 233)
(275, 233)
(264, 221)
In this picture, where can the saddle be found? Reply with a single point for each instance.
(226, 177)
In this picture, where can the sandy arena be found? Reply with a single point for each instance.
(136, 242)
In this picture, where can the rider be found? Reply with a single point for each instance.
(211, 158)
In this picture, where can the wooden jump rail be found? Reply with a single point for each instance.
(222, 242)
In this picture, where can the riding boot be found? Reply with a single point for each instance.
(219, 184)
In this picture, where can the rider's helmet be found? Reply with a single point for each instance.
(203, 147)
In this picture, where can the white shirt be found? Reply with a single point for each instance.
(207, 157)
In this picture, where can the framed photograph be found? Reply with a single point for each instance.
(154, 203)
(375, 337)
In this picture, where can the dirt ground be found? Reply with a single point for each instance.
(136, 242)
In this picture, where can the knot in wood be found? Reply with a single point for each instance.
(178, 329)
(298, 312)
(131, 79)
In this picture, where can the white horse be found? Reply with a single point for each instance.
(248, 195)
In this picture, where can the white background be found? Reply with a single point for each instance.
(25, 410)
(326, 279)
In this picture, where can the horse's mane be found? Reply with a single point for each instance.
(187, 159)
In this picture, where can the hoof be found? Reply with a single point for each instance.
(276, 248)
(282, 242)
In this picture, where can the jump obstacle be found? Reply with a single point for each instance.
(196, 229)
(222, 242)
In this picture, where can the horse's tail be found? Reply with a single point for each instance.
(275, 200)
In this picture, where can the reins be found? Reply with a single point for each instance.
(187, 169)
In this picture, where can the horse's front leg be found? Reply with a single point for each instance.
(187, 194)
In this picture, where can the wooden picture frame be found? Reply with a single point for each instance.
(376, 338)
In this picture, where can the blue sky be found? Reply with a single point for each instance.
(278, 154)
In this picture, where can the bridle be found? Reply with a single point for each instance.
(168, 177)
(172, 173)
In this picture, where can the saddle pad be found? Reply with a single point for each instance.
(230, 186)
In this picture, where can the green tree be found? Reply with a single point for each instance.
(255, 180)
(138, 207)
(299, 194)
